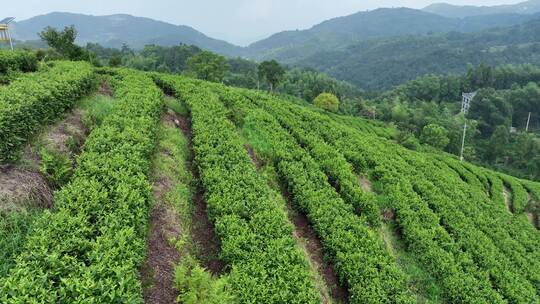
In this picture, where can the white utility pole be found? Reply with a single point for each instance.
(465, 106)
(528, 121)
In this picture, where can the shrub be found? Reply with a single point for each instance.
(23, 61)
(327, 101)
(56, 167)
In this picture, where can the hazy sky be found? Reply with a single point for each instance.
(237, 21)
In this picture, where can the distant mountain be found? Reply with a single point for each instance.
(114, 30)
(385, 62)
(291, 46)
(456, 11)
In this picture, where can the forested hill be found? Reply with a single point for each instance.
(384, 22)
(115, 30)
(457, 11)
(382, 63)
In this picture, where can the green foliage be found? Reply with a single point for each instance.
(435, 135)
(94, 238)
(179, 107)
(379, 64)
(343, 234)
(37, 99)
(56, 167)
(208, 66)
(18, 60)
(272, 72)
(196, 285)
(327, 101)
(63, 43)
(308, 84)
(408, 140)
(506, 95)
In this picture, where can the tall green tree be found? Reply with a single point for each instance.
(435, 136)
(63, 43)
(272, 71)
(208, 66)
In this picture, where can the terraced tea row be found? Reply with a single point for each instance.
(90, 247)
(36, 99)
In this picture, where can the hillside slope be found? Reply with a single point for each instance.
(306, 206)
(385, 62)
(114, 30)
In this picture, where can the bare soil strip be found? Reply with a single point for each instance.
(331, 291)
(158, 271)
(253, 156)
(21, 184)
(533, 212)
(365, 183)
(507, 195)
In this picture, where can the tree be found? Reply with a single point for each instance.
(327, 101)
(115, 61)
(272, 72)
(435, 136)
(208, 66)
(64, 43)
(498, 144)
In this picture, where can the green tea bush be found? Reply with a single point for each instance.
(90, 247)
(23, 61)
(37, 99)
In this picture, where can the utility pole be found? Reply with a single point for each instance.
(528, 121)
(465, 105)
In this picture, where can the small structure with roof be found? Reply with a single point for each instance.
(5, 35)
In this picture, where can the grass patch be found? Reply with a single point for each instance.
(14, 228)
(177, 106)
(96, 108)
(421, 282)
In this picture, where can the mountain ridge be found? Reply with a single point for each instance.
(460, 11)
(114, 30)
(117, 29)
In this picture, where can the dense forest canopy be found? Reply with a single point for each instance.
(508, 97)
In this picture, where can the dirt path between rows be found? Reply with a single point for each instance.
(158, 270)
(325, 279)
(253, 157)
(304, 235)
(507, 195)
